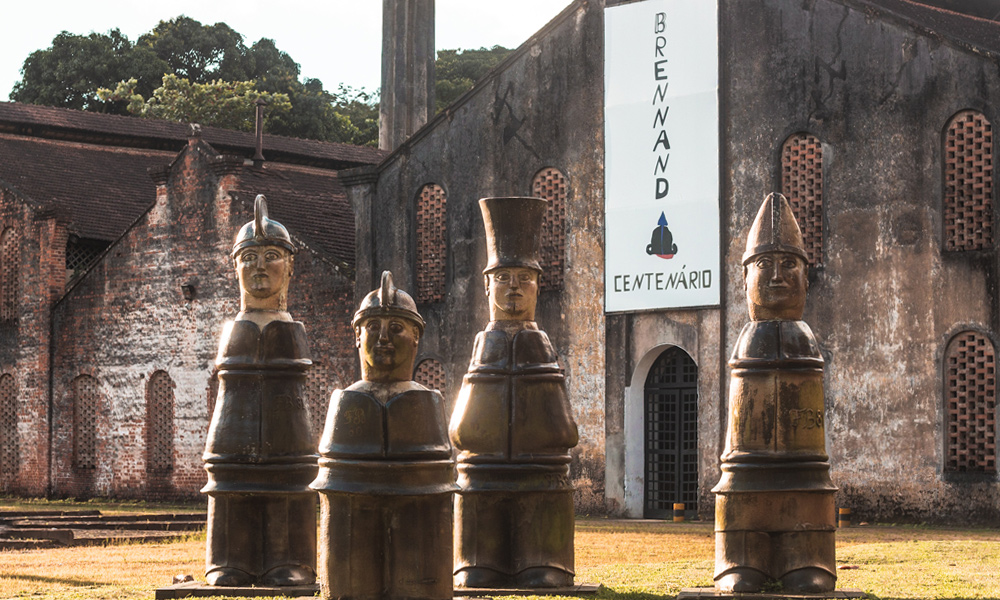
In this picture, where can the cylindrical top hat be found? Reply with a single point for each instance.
(774, 230)
(513, 230)
(262, 231)
(388, 301)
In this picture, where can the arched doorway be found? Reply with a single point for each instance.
(670, 410)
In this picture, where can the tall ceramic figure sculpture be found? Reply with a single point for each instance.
(774, 508)
(513, 424)
(386, 476)
(259, 455)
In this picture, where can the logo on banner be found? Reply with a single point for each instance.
(662, 241)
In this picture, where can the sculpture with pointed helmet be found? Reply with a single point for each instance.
(386, 473)
(775, 263)
(775, 452)
(259, 454)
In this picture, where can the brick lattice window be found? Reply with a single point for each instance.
(432, 243)
(970, 403)
(320, 383)
(80, 254)
(9, 263)
(160, 423)
(968, 182)
(802, 184)
(85, 401)
(551, 185)
(8, 427)
(430, 374)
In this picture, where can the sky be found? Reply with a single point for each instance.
(336, 41)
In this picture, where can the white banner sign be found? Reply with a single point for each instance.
(661, 155)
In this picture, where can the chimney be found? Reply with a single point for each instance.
(258, 158)
(407, 97)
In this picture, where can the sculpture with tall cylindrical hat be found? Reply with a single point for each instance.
(513, 424)
(774, 509)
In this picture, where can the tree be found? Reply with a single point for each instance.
(456, 71)
(206, 63)
(69, 73)
(219, 103)
(199, 53)
(361, 109)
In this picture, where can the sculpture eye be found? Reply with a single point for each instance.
(248, 257)
(396, 327)
(272, 255)
(765, 263)
(502, 277)
(373, 325)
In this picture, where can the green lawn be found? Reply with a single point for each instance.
(631, 559)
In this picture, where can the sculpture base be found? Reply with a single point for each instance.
(710, 593)
(580, 589)
(200, 589)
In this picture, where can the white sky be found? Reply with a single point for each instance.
(336, 41)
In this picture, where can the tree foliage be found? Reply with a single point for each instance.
(219, 103)
(456, 71)
(181, 63)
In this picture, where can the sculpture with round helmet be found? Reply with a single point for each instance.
(774, 508)
(259, 453)
(386, 473)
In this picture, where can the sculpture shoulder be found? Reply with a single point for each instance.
(532, 347)
(500, 350)
(243, 342)
(354, 425)
(410, 424)
(491, 352)
(777, 341)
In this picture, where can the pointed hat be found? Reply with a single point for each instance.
(774, 230)
(513, 231)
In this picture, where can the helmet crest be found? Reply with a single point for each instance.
(262, 231)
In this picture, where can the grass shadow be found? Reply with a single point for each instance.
(54, 580)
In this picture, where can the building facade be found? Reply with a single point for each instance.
(116, 281)
(872, 116)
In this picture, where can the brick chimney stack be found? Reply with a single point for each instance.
(407, 99)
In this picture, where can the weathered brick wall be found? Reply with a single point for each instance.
(24, 340)
(128, 318)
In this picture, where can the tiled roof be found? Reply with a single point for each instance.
(973, 33)
(99, 190)
(116, 130)
(310, 202)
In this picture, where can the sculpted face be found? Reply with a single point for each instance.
(264, 273)
(388, 347)
(513, 294)
(776, 286)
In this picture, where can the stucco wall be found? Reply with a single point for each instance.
(542, 108)
(888, 298)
